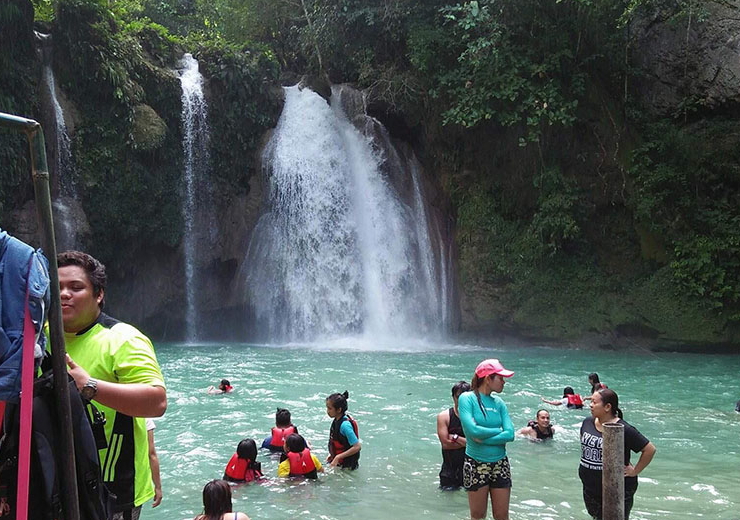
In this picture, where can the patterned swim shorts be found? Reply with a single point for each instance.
(486, 474)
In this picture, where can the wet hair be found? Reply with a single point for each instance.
(568, 390)
(474, 384)
(247, 449)
(610, 397)
(593, 378)
(339, 401)
(216, 500)
(460, 387)
(737, 406)
(541, 410)
(94, 269)
(295, 443)
(282, 418)
(225, 383)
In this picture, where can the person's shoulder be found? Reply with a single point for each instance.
(127, 331)
(588, 421)
(466, 396)
(628, 426)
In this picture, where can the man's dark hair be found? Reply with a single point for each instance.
(94, 269)
(459, 388)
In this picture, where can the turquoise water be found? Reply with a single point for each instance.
(684, 403)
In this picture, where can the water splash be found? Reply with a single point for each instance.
(196, 137)
(338, 251)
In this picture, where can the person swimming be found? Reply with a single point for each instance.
(540, 428)
(223, 388)
(570, 399)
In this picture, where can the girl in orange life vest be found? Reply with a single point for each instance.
(298, 461)
(570, 399)
(344, 442)
(217, 503)
(243, 466)
(283, 428)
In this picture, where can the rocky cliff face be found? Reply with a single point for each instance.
(690, 56)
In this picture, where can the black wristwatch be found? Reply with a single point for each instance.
(90, 389)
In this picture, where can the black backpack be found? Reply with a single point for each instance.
(44, 500)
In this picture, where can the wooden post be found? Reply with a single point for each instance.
(42, 192)
(612, 483)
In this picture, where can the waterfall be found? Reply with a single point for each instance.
(340, 250)
(65, 203)
(196, 170)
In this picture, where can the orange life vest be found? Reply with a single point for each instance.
(301, 464)
(279, 435)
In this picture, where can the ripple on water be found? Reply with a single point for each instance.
(396, 412)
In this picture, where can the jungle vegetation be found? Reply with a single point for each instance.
(571, 196)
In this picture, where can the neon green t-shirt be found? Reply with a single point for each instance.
(118, 353)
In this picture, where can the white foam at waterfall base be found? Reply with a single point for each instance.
(336, 252)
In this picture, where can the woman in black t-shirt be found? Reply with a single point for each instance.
(604, 410)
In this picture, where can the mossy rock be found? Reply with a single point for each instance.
(149, 130)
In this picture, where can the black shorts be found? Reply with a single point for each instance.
(592, 498)
(486, 474)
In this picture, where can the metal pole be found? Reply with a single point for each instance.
(612, 483)
(42, 193)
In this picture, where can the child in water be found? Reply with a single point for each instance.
(283, 427)
(217, 503)
(243, 465)
(298, 461)
(344, 442)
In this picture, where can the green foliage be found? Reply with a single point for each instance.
(513, 62)
(97, 55)
(18, 96)
(155, 39)
(687, 189)
(43, 10)
(709, 267)
(555, 222)
(488, 240)
(241, 79)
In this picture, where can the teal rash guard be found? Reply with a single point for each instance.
(486, 434)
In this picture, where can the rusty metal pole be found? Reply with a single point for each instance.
(612, 483)
(42, 193)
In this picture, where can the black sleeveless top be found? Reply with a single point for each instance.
(450, 476)
(540, 435)
(455, 426)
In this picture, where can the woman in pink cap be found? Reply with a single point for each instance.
(488, 427)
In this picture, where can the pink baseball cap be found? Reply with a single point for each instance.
(492, 366)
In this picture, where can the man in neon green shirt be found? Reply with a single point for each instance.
(113, 364)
